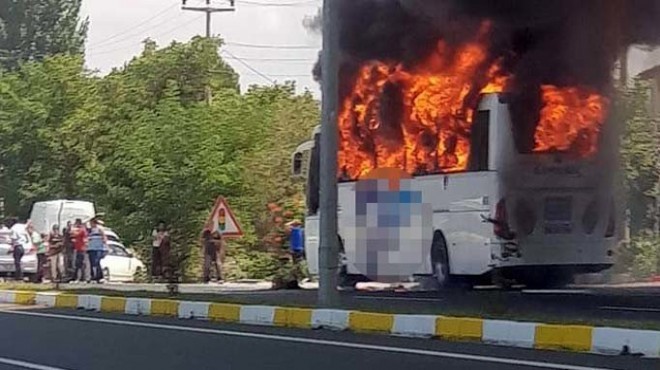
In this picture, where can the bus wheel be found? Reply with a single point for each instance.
(440, 261)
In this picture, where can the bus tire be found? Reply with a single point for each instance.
(440, 262)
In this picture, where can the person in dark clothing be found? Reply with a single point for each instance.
(158, 235)
(67, 242)
(211, 244)
(56, 254)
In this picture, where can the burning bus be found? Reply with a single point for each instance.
(501, 115)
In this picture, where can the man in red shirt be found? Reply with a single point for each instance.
(79, 237)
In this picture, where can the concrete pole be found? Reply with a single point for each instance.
(208, 20)
(209, 10)
(328, 296)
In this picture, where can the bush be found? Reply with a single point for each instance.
(645, 256)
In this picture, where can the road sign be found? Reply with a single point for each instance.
(222, 220)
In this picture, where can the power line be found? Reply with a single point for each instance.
(262, 46)
(278, 59)
(265, 77)
(257, 3)
(143, 23)
(157, 35)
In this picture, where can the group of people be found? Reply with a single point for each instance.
(212, 249)
(66, 250)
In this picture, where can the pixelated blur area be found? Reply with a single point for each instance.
(393, 227)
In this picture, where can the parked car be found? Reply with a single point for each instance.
(29, 260)
(120, 264)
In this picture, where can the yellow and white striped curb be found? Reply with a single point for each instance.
(508, 333)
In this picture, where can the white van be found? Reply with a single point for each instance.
(58, 212)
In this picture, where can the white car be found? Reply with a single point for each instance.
(120, 264)
(29, 260)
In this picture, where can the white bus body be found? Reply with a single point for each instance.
(556, 216)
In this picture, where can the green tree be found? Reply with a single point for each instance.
(32, 30)
(641, 160)
(143, 144)
(641, 168)
(47, 131)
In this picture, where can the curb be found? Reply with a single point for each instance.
(576, 338)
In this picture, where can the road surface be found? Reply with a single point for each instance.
(46, 339)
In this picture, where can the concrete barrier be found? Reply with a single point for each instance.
(600, 340)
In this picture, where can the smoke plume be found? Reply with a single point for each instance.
(536, 44)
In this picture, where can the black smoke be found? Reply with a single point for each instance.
(560, 42)
(555, 42)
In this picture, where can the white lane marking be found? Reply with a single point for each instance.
(330, 343)
(634, 309)
(398, 298)
(27, 365)
(557, 291)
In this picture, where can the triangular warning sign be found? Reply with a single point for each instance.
(222, 220)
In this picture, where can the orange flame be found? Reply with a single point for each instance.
(571, 119)
(439, 98)
(435, 101)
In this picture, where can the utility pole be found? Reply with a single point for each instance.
(209, 10)
(328, 296)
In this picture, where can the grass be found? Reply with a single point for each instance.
(489, 308)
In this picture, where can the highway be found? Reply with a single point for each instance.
(47, 339)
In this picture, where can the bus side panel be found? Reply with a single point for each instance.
(312, 244)
(460, 202)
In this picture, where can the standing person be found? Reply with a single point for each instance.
(56, 254)
(211, 243)
(67, 243)
(9, 238)
(158, 236)
(95, 249)
(39, 244)
(296, 240)
(79, 239)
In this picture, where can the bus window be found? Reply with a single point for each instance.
(479, 142)
(297, 164)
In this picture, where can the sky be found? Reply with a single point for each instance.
(266, 40)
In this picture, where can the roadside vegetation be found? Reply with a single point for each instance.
(141, 141)
(640, 257)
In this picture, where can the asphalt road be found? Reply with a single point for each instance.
(65, 340)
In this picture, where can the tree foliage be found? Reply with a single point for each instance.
(640, 152)
(32, 30)
(143, 144)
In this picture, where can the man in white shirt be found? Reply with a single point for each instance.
(9, 238)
